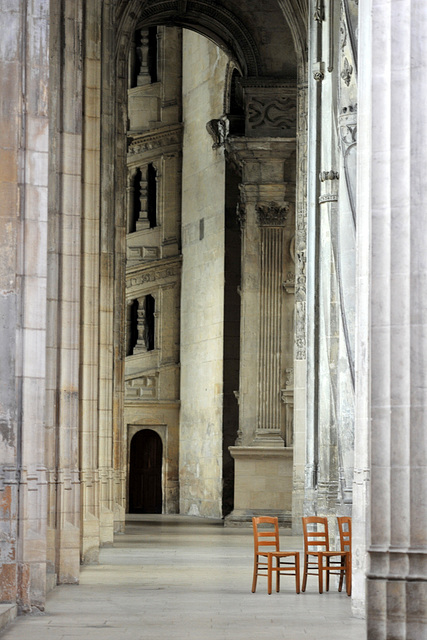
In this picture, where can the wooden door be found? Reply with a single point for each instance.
(145, 479)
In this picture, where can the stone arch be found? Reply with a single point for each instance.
(204, 16)
(215, 22)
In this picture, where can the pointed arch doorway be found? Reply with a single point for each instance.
(145, 473)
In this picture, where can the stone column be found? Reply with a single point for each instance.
(394, 130)
(110, 233)
(263, 465)
(65, 292)
(300, 288)
(330, 267)
(24, 141)
(89, 356)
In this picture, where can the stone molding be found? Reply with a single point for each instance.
(142, 387)
(257, 451)
(163, 271)
(328, 197)
(152, 142)
(244, 150)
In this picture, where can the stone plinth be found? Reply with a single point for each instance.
(263, 484)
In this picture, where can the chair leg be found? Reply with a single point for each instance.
(320, 568)
(304, 577)
(327, 573)
(348, 575)
(343, 570)
(277, 575)
(297, 576)
(269, 572)
(254, 579)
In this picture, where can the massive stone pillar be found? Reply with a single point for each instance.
(64, 282)
(392, 172)
(24, 78)
(89, 355)
(263, 451)
(330, 263)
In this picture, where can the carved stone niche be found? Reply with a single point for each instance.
(270, 108)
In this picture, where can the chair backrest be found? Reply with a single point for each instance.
(344, 527)
(266, 533)
(316, 533)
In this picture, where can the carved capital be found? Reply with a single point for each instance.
(272, 214)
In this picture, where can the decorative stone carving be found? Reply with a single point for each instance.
(289, 283)
(300, 332)
(241, 214)
(300, 283)
(153, 141)
(218, 129)
(270, 108)
(287, 397)
(272, 116)
(154, 274)
(347, 71)
(328, 175)
(328, 197)
(272, 214)
(319, 11)
(301, 228)
(348, 138)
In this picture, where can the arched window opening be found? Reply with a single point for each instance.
(236, 115)
(152, 54)
(152, 195)
(132, 327)
(137, 201)
(150, 307)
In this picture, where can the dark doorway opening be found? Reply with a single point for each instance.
(145, 476)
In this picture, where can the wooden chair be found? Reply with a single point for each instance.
(267, 535)
(316, 544)
(344, 527)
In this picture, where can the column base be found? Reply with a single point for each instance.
(262, 484)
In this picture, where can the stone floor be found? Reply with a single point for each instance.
(185, 578)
